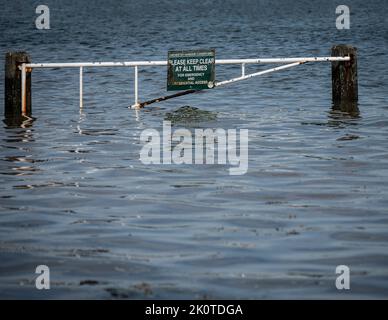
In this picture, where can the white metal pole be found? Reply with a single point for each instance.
(243, 69)
(136, 86)
(81, 87)
(24, 106)
(164, 63)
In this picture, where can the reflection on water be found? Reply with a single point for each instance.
(75, 196)
(350, 108)
(17, 138)
(343, 119)
(16, 122)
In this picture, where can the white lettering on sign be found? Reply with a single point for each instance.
(192, 69)
(183, 62)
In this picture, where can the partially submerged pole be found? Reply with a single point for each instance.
(13, 95)
(345, 79)
(175, 95)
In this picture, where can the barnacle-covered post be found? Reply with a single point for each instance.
(13, 85)
(345, 79)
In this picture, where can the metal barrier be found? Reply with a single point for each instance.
(288, 63)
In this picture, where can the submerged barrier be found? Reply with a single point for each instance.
(18, 69)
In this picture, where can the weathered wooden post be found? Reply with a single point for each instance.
(344, 79)
(13, 87)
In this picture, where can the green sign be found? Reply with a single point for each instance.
(191, 69)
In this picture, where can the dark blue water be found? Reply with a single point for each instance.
(75, 197)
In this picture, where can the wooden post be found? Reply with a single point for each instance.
(13, 88)
(344, 79)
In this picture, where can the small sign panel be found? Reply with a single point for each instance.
(191, 69)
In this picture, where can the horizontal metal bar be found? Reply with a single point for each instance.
(96, 64)
(282, 60)
(164, 63)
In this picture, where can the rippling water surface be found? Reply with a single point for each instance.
(74, 195)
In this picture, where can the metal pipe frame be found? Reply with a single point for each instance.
(290, 62)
